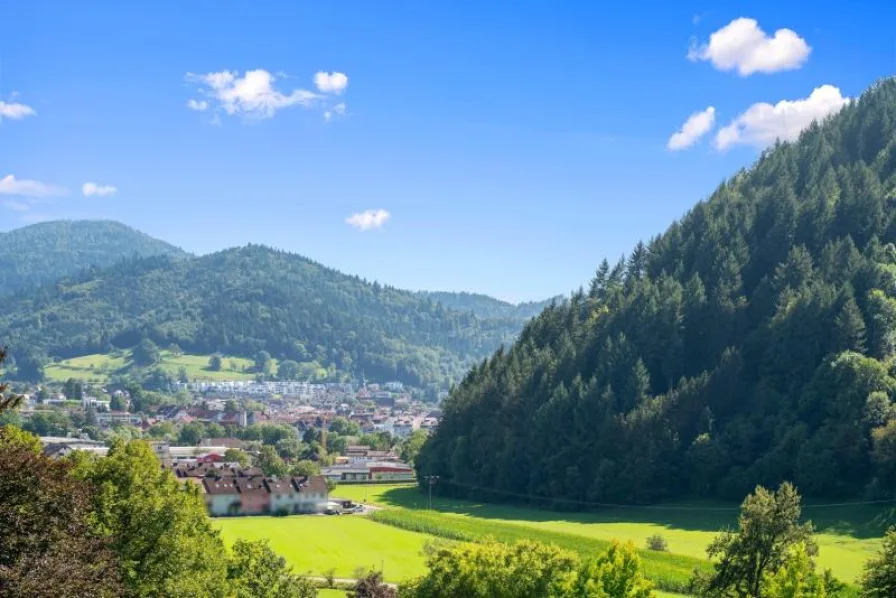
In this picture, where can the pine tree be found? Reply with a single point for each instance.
(849, 328)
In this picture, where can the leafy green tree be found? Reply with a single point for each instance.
(29, 368)
(159, 530)
(72, 390)
(614, 574)
(233, 455)
(796, 578)
(270, 462)
(191, 434)
(117, 403)
(215, 362)
(256, 571)
(879, 578)
(290, 448)
(343, 427)
(768, 533)
(162, 430)
(412, 445)
(263, 362)
(305, 467)
(182, 375)
(47, 548)
(49, 423)
(287, 369)
(495, 570)
(146, 353)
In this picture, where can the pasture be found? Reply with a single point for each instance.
(314, 544)
(98, 367)
(847, 536)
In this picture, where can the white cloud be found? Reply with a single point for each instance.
(15, 111)
(10, 185)
(250, 95)
(330, 82)
(94, 189)
(696, 126)
(369, 219)
(743, 46)
(337, 110)
(16, 206)
(198, 105)
(762, 123)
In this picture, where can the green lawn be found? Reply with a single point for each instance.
(328, 593)
(98, 367)
(847, 536)
(316, 543)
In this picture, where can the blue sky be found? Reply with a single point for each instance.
(510, 145)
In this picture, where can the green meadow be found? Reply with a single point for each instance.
(98, 367)
(315, 544)
(847, 535)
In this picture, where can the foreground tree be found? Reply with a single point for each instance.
(614, 574)
(529, 569)
(879, 580)
(495, 570)
(158, 528)
(256, 571)
(768, 533)
(47, 548)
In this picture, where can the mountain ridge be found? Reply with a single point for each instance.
(246, 299)
(41, 253)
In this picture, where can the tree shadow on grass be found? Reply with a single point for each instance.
(858, 521)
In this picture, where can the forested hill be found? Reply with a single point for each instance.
(484, 306)
(243, 300)
(750, 343)
(42, 253)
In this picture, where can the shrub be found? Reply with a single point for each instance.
(657, 542)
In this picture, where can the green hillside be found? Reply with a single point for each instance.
(41, 253)
(752, 342)
(244, 300)
(99, 367)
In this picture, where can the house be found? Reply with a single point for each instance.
(259, 495)
(171, 413)
(109, 418)
(346, 473)
(234, 443)
(390, 472)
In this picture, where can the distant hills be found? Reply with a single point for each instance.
(41, 253)
(120, 286)
(489, 307)
(752, 342)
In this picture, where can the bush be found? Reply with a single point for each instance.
(657, 542)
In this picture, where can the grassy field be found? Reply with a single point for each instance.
(98, 367)
(315, 544)
(847, 537)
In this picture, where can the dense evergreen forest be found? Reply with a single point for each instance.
(752, 342)
(484, 306)
(42, 253)
(244, 300)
